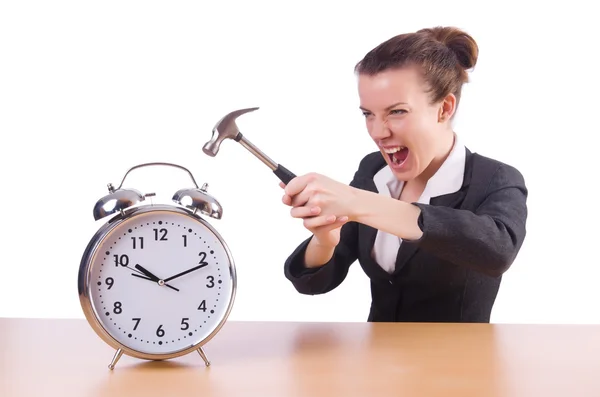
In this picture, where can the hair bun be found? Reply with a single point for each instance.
(461, 43)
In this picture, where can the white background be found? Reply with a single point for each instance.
(90, 89)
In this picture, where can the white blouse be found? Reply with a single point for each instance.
(448, 179)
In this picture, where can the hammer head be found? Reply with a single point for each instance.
(225, 129)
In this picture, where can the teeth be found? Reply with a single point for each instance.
(393, 150)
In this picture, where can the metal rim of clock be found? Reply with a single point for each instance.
(84, 281)
(119, 199)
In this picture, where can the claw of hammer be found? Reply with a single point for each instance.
(226, 128)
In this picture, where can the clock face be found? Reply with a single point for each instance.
(161, 282)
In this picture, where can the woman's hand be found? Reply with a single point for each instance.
(324, 205)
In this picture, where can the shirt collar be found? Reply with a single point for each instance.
(448, 178)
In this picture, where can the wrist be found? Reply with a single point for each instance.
(387, 214)
(359, 205)
(318, 244)
(317, 255)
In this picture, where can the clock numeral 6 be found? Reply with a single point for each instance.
(160, 332)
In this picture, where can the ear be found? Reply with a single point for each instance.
(447, 108)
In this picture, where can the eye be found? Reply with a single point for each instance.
(398, 111)
(366, 114)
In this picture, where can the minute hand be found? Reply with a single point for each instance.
(185, 272)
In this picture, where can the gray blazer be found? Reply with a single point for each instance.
(453, 272)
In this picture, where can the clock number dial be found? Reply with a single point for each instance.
(197, 266)
(122, 260)
(138, 242)
(203, 260)
(184, 323)
(137, 322)
(160, 234)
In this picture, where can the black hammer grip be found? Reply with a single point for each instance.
(284, 174)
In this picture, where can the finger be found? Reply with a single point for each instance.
(282, 185)
(287, 200)
(339, 222)
(324, 222)
(301, 199)
(296, 185)
(318, 221)
(305, 212)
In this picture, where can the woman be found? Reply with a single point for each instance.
(433, 225)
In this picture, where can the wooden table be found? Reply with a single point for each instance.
(44, 357)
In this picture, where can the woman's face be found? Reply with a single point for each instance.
(412, 133)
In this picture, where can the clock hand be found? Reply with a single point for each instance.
(141, 276)
(147, 273)
(186, 272)
(150, 276)
(151, 279)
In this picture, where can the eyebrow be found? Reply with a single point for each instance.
(387, 108)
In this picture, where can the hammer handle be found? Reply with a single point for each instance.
(283, 174)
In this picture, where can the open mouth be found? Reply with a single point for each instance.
(397, 154)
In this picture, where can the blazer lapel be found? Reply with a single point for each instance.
(452, 200)
(407, 250)
(367, 233)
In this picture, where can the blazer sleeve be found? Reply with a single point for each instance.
(486, 240)
(323, 279)
(313, 281)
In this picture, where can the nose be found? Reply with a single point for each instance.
(379, 129)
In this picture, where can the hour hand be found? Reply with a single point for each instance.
(150, 276)
(148, 273)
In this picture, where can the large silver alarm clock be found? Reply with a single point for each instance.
(157, 281)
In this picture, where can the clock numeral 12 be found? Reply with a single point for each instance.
(163, 236)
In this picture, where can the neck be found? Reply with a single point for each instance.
(444, 150)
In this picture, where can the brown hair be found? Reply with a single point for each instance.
(444, 55)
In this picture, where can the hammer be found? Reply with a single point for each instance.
(227, 129)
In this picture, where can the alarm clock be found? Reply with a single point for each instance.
(157, 281)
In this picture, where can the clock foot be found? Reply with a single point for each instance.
(203, 355)
(116, 358)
